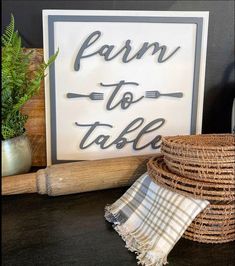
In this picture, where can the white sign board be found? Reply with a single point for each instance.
(121, 80)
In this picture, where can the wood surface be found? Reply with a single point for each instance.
(35, 109)
(85, 176)
(19, 184)
(71, 231)
(70, 178)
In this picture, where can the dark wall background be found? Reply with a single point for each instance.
(219, 84)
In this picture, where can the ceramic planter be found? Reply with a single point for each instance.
(16, 156)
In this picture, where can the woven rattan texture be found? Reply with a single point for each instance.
(209, 158)
(201, 166)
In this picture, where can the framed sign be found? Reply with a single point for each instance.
(121, 80)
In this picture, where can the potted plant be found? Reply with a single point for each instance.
(18, 86)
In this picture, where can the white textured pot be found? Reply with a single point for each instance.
(16, 156)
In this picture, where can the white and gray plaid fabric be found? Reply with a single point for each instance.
(151, 219)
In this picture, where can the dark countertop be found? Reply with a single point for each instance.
(71, 230)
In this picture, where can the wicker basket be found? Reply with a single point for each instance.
(216, 224)
(207, 158)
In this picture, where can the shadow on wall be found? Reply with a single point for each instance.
(217, 115)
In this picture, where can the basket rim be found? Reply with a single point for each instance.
(175, 183)
(171, 141)
(211, 175)
(183, 178)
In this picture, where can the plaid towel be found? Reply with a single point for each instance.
(151, 219)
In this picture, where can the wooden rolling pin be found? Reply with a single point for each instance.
(69, 178)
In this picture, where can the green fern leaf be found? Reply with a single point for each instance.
(18, 85)
(9, 31)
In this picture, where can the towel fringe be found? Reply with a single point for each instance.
(149, 258)
(145, 256)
